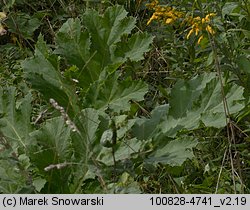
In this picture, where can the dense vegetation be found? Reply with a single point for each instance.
(124, 96)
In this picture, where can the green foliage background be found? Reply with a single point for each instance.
(94, 101)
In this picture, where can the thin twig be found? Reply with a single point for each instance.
(221, 167)
(230, 129)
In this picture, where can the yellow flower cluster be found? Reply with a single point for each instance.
(163, 13)
(2, 30)
(198, 25)
(169, 15)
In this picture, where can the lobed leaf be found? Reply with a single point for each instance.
(103, 45)
(114, 94)
(199, 100)
(175, 153)
(52, 147)
(43, 72)
(15, 116)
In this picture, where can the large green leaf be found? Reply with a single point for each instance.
(123, 150)
(11, 177)
(175, 152)
(54, 138)
(106, 31)
(229, 7)
(73, 43)
(135, 47)
(83, 140)
(22, 24)
(15, 126)
(145, 128)
(114, 94)
(185, 93)
(43, 72)
(103, 43)
(15, 116)
(125, 185)
(203, 102)
(244, 64)
(193, 103)
(87, 123)
(53, 147)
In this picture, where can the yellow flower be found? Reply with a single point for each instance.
(199, 40)
(153, 4)
(168, 15)
(154, 17)
(210, 30)
(190, 33)
(169, 20)
(165, 14)
(200, 25)
(197, 19)
(197, 30)
(208, 17)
